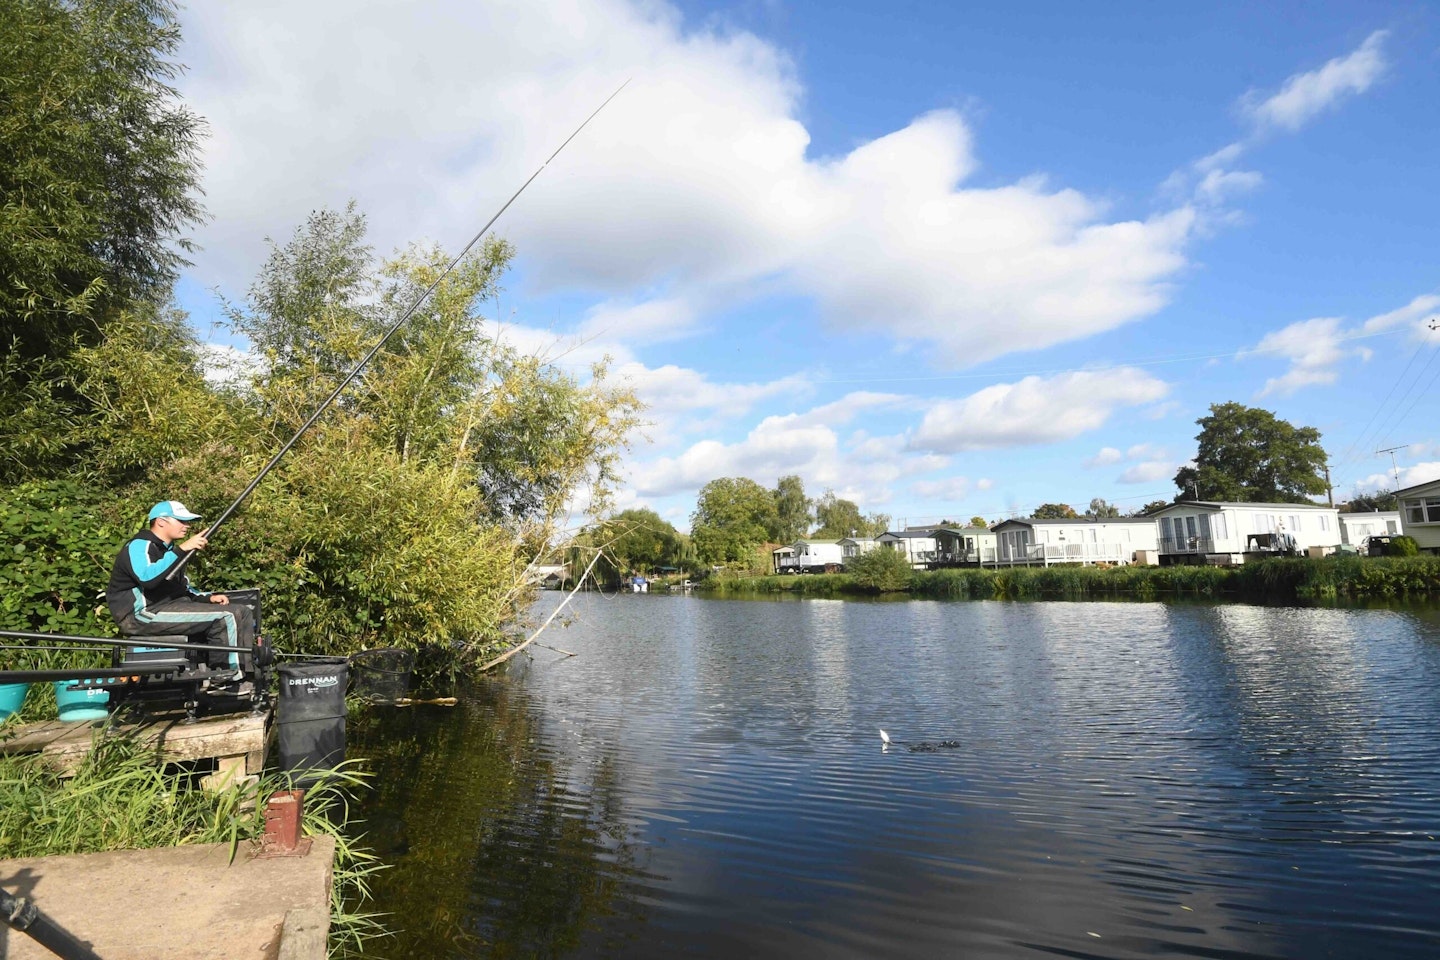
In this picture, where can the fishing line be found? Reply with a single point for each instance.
(185, 557)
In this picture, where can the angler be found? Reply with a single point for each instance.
(145, 604)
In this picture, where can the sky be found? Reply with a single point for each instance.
(947, 260)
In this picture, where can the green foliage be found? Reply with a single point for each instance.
(99, 177)
(1404, 546)
(1380, 500)
(880, 571)
(1151, 507)
(1273, 580)
(59, 540)
(792, 510)
(733, 516)
(1248, 454)
(638, 540)
(839, 518)
(978, 521)
(1054, 511)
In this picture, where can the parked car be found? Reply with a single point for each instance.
(1377, 545)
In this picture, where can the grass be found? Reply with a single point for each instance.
(122, 799)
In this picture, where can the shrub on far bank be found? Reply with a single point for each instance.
(880, 571)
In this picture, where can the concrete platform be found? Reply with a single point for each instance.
(178, 902)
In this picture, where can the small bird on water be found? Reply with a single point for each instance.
(924, 746)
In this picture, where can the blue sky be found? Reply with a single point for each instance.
(945, 259)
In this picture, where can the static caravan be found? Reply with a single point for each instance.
(964, 546)
(852, 547)
(918, 546)
(1084, 541)
(1356, 527)
(1223, 532)
(809, 556)
(1420, 514)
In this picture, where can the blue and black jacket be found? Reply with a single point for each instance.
(137, 581)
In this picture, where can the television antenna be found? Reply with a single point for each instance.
(1393, 466)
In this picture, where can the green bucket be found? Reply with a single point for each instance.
(12, 695)
(86, 703)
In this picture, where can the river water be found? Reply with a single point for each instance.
(706, 778)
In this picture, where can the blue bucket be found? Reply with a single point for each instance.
(86, 703)
(12, 695)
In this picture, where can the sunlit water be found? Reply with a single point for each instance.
(706, 779)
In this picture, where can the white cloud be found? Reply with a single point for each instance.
(859, 467)
(1148, 471)
(984, 483)
(690, 191)
(1315, 348)
(1409, 476)
(651, 321)
(948, 489)
(1104, 458)
(1312, 348)
(1413, 313)
(1034, 410)
(1306, 95)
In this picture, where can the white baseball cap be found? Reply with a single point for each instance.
(172, 508)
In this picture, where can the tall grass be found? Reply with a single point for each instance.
(121, 798)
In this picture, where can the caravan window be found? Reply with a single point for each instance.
(1221, 533)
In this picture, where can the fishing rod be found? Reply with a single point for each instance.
(185, 557)
(131, 642)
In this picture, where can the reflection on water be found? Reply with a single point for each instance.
(1134, 780)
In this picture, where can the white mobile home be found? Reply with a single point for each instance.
(852, 547)
(1223, 531)
(1356, 527)
(808, 556)
(964, 546)
(1083, 541)
(918, 546)
(1420, 514)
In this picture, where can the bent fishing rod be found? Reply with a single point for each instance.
(244, 494)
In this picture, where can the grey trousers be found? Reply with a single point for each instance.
(218, 624)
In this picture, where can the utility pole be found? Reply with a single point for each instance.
(1393, 466)
(1329, 490)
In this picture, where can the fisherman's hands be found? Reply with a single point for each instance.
(219, 598)
(196, 542)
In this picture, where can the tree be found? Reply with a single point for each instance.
(1151, 507)
(1249, 455)
(639, 540)
(1054, 511)
(1100, 509)
(440, 391)
(792, 510)
(978, 521)
(838, 518)
(99, 177)
(733, 516)
(1371, 502)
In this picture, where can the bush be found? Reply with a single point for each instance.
(880, 571)
(1404, 546)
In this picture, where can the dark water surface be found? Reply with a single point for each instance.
(706, 779)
